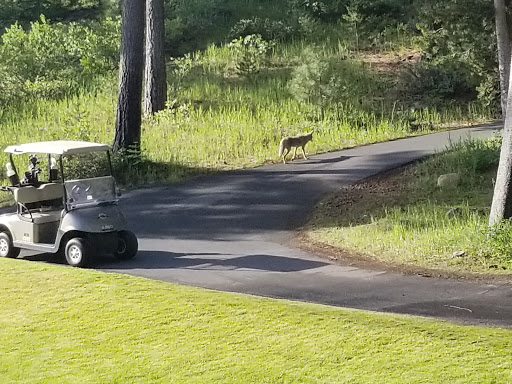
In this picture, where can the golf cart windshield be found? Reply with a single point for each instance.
(84, 192)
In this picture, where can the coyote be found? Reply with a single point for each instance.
(294, 142)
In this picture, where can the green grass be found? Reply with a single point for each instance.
(65, 325)
(408, 220)
(220, 120)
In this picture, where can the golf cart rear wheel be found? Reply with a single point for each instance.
(77, 252)
(127, 245)
(7, 249)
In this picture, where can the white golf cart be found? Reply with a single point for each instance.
(77, 216)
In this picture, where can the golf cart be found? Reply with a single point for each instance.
(67, 213)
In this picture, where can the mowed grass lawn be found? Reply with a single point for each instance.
(64, 325)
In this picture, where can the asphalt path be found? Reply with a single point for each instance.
(232, 232)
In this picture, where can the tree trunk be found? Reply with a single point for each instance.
(504, 51)
(501, 207)
(128, 119)
(155, 76)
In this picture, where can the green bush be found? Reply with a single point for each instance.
(26, 11)
(251, 54)
(322, 10)
(315, 81)
(322, 81)
(436, 83)
(270, 30)
(53, 60)
(191, 24)
(461, 31)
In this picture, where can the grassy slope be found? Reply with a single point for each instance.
(63, 325)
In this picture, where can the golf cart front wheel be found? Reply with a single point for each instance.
(77, 252)
(7, 249)
(127, 245)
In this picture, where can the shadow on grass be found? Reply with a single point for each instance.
(144, 172)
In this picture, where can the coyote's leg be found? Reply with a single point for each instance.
(284, 155)
(304, 152)
(294, 153)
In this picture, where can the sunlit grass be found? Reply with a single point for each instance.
(62, 325)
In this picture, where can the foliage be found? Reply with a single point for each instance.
(315, 81)
(322, 10)
(24, 12)
(181, 67)
(499, 240)
(52, 60)
(321, 80)
(270, 30)
(461, 31)
(382, 13)
(448, 80)
(189, 23)
(251, 54)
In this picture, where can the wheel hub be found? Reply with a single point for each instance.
(75, 253)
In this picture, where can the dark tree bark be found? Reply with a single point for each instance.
(155, 76)
(128, 119)
(504, 51)
(501, 207)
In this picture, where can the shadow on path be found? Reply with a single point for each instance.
(211, 261)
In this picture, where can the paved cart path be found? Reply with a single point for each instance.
(232, 232)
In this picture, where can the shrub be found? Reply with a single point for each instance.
(52, 60)
(462, 31)
(315, 81)
(321, 81)
(322, 10)
(26, 11)
(251, 54)
(268, 29)
(439, 82)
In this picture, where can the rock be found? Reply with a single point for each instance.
(448, 180)
(459, 253)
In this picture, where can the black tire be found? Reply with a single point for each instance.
(77, 252)
(7, 249)
(127, 245)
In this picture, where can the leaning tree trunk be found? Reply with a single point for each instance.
(501, 207)
(504, 51)
(155, 77)
(128, 119)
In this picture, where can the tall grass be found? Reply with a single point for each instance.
(217, 119)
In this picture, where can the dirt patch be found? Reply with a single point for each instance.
(385, 186)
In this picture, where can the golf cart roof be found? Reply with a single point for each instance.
(59, 147)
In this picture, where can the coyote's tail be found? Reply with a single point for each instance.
(281, 148)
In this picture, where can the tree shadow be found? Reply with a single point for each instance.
(190, 261)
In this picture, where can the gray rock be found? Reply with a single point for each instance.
(449, 180)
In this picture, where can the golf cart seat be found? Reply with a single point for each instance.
(41, 204)
(29, 194)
